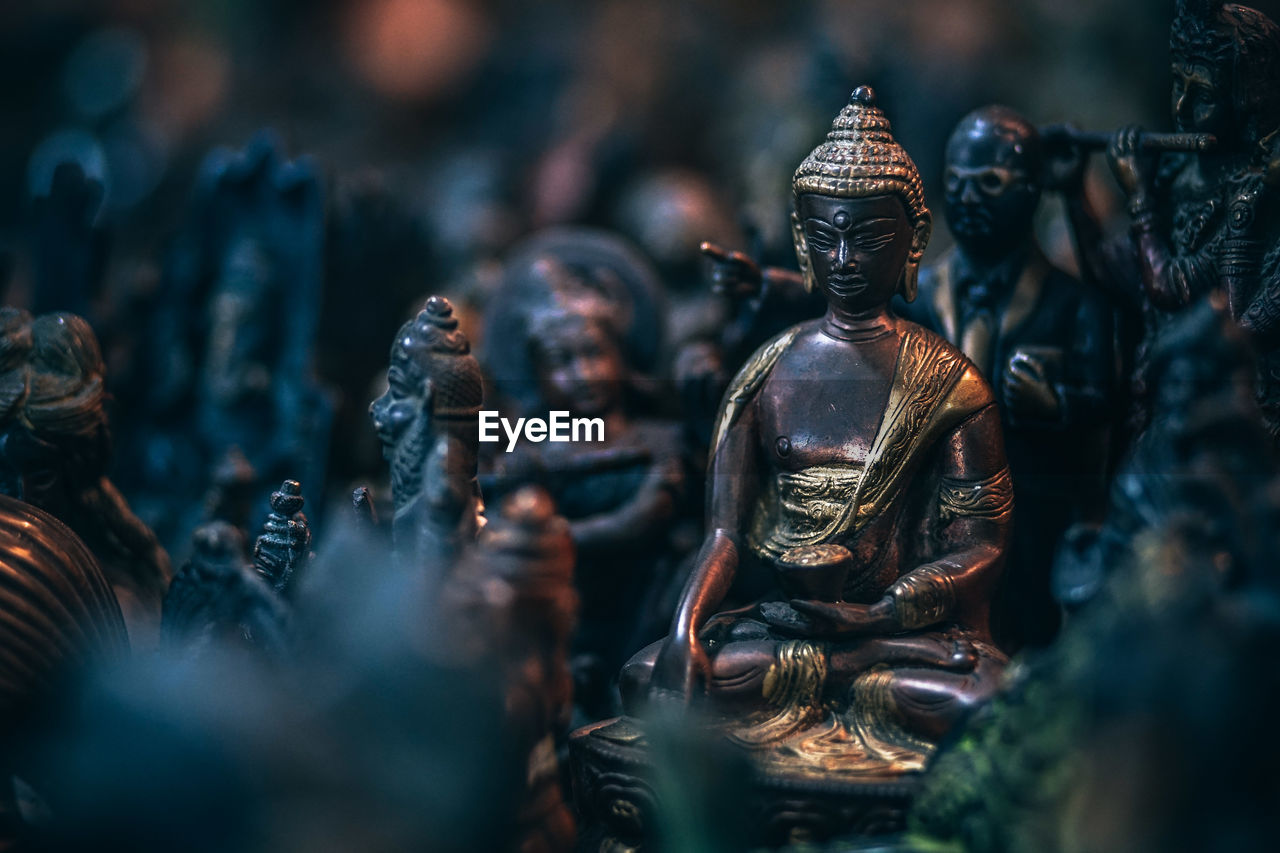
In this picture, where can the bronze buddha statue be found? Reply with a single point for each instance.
(859, 458)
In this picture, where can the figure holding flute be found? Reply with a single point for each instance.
(1201, 200)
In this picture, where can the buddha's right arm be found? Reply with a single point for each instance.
(731, 491)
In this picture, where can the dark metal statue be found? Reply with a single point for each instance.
(217, 597)
(1042, 339)
(283, 549)
(427, 423)
(858, 461)
(236, 337)
(620, 490)
(55, 448)
(1206, 221)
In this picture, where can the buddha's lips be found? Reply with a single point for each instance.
(846, 285)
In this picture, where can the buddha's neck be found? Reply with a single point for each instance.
(858, 326)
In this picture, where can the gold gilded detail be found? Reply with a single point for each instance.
(989, 498)
(933, 389)
(793, 690)
(748, 381)
(803, 737)
(923, 596)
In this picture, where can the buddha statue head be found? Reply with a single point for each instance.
(55, 442)
(993, 180)
(1226, 60)
(859, 221)
(434, 389)
(575, 346)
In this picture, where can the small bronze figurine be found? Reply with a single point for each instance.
(55, 449)
(427, 423)
(1040, 337)
(283, 549)
(858, 460)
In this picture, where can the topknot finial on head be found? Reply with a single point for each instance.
(860, 158)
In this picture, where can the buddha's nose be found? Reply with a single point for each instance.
(969, 195)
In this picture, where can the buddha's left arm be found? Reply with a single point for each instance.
(976, 507)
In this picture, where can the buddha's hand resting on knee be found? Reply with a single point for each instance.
(681, 671)
(842, 619)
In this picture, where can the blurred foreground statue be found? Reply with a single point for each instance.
(55, 448)
(57, 618)
(858, 461)
(510, 605)
(1160, 685)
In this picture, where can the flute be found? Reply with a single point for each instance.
(1097, 140)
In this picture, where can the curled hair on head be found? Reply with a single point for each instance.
(1242, 43)
(861, 158)
(66, 392)
(15, 346)
(432, 344)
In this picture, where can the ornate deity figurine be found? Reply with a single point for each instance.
(427, 423)
(1040, 337)
(858, 460)
(54, 451)
(284, 547)
(1207, 221)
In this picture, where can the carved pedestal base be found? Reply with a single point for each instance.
(615, 795)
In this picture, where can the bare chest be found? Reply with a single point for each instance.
(823, 403)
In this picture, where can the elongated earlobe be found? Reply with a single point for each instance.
(802, 251)
(910, 283)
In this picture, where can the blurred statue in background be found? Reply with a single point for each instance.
(235, 341)
(55, 448)
(858, 461)
(573, 350)
(1041, 338)
(427, 423)
(217, 598)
